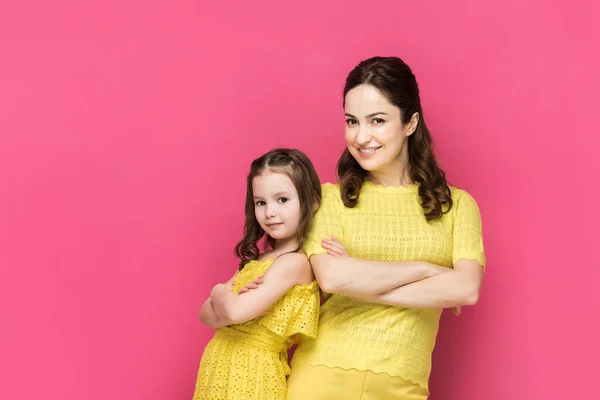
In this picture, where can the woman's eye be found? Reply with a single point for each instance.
(378, 121)
(351, 122)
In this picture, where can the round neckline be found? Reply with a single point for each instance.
(397, 189)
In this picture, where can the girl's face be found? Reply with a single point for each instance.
(276, 204)
(375, 134)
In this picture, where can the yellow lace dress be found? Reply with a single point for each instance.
(249, 360)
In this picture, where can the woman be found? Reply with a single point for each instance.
(391, 246)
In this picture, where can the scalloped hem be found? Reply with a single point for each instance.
(472, 258)
(363, 370)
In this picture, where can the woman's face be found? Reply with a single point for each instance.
(375, 134)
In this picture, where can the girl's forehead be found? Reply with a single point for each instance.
(271, 181)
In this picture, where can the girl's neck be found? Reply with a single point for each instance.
(283, 246)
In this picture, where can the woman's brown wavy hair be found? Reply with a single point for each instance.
(395, 80)
(296, 165)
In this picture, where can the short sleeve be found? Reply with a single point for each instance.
(327, 221)
(295, 313)
(467, 235)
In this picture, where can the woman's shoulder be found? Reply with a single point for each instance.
(330, 194)
(463, 200)
(458, 194)
(330, 188)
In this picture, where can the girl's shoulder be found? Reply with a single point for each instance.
(297, 264)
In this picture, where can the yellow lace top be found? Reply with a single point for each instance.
(293, 317)
(388, 225)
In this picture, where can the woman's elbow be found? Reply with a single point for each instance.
(471, 296)
(326, 282)
(323, 274)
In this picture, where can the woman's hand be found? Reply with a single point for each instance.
(334, 247)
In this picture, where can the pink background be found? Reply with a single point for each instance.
(127, 128)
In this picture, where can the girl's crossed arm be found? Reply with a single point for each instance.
(286, 272)
(208, 315)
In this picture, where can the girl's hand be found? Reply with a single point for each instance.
(334, 247)
(252, 285)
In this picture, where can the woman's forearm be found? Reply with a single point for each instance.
(353, 277)
(452, 289)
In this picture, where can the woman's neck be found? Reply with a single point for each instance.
(395, 178)
(396, 173)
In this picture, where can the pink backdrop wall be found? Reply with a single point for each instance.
(127, 128)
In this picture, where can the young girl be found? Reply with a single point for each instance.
(247, 357)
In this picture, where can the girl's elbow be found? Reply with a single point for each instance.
(204, 318)
(209, 322)
(229, 316)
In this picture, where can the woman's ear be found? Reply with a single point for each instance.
(412, 124)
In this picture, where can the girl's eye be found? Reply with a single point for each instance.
(351, 122)
(260, 203)
(283, 199)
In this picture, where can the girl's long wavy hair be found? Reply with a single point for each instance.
(296, 165)
(395, 80)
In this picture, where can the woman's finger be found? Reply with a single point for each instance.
(335, 253)
(336, 245)
(333, 238)
(325, 244)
